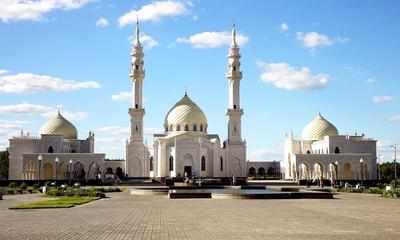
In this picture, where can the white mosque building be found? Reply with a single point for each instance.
(323, 153)
(185, 147)
(58, 154)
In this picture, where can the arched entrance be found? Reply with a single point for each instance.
(318, 170)
(62, 171)
(347, 171)
(261, 172)
(188, 167)
(94, 171)
(48, 171)
(252, 171)
(79, 171)
(304, 171)
(119, 173)
(30, 171)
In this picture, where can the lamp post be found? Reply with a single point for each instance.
(57, 160)
(395, 168)
(337, 171)
(70, 171)
(361, 170)
(40, 158)
(379, 166)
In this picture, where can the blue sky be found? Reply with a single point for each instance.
(298, 58)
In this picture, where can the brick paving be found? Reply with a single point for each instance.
(124, 216)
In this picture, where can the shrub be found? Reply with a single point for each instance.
(23, 186)
(391, 194)
(13, 185)
(48, 183)
(36, 186)
(397, 183)
(380, 186)
(77, 192)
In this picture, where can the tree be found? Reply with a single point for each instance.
(4, 164)
(387, 170)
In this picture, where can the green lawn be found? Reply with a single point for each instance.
(61, 202)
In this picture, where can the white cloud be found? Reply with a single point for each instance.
(13, 10)
(34, 109)
(265, 154)
(371, 80)
(382, 99)
(314, 39)
(395, 118)
(284, 27)
(285, 76)
(122, 96)
(109, 140)
(147, 41)
(114, 130)
(29, 82)
(3, 71)
(102, 22)
(212, 39)
(120, 130)
(154, 12)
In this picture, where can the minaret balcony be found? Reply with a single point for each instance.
(234, 112)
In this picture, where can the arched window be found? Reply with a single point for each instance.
(252, 171)
(171, 163)
(203, 163)
(337, 151)
(195, 127)
(151, 163)
(308, 152)
(201, 127)
(234, 128)
(178, 127)
(221, 163)
(166, 128)
(261, 171)
(186, 127)
(171, 128)
(50, 150)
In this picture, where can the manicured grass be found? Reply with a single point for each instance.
(61, 202)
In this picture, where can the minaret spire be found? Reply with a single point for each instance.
(234, 75)
(137, 74)
(137, 30)
(233, 34)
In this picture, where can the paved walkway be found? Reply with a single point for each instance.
(123, 216)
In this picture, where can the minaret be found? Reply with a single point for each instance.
(234, 75)
(136, 75)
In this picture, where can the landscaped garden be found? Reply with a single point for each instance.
(65, 197)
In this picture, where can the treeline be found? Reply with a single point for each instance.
(4, 164)
(387, 170)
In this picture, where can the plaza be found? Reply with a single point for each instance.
(125, 216)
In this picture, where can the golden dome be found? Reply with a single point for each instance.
(185, 112)
(318, 128)
(60, 125)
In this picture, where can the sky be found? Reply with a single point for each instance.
(298, 58)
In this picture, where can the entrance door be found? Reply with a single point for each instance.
(188, 170)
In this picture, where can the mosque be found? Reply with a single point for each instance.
(323, 153)
(185, 148)
(58, 154)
